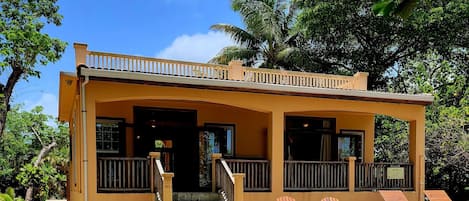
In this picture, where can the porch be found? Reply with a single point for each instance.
(131, 175)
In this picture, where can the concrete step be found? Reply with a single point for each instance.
(196, 196)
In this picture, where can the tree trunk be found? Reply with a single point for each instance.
(7, 91)
(43, 153)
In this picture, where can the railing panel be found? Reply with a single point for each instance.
(374, 176)
(118, 62)
(123, 175)
(257, 173)
(301, 79)
(315, 175)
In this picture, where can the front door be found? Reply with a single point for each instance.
(174, 134)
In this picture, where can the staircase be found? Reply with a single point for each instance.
(196, 196)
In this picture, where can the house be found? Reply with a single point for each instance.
(149, 129)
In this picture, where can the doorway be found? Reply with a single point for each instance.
(173, 132)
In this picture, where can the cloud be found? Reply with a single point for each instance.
(197, 47)
(48, 101)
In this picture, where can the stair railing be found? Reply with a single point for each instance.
(230, 185)
(162, 182)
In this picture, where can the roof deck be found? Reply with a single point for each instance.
(234, 71)
(233, 77)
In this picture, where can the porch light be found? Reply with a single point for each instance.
(305, 125)
(152, 123)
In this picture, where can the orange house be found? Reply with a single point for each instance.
(154, 129)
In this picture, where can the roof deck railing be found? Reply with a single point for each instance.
(234, 71)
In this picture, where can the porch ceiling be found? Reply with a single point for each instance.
(229, 85)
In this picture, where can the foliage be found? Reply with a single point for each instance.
(402, 8)
(391, 141)
(346, 36)
(19, 146)
(447, 134)
(9, 195)
(23, 45)
(267, 38)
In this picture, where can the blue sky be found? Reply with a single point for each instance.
(175, 29)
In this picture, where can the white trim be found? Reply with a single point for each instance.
(250, 85)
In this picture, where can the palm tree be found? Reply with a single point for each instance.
(268, 39)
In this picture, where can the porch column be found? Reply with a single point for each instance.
(417, 153)
(275, 150)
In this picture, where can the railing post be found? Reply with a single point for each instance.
(235, 70)
(168, 186)
(81, 50)
(215, 157)
(153, 156)
(361, 81)
(238, 186)
(351, 173)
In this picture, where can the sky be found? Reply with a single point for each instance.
(173, 29)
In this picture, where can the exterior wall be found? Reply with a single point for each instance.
(274, 107)
(250, 126)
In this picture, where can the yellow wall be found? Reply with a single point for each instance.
(272, 108)
(250, 126)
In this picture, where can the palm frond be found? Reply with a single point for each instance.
(230, 53)
(239, 35)
(261, 18)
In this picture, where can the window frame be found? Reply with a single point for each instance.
(121, 136)
(207, 127)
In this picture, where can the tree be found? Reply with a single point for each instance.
(268, 35)
(345, 36)
(447, 121)
(33, 154)
(22, 44)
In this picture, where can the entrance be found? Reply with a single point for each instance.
(174, 134)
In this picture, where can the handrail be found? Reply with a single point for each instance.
(225, 180)
(162, 181)
(159, 179)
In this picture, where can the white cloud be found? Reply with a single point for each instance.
(197, 47)
(47, 100)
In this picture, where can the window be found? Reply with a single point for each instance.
(350, 143)
(109, 135)
(220, 138)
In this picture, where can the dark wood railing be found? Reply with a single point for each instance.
(374, 176)
(315, 175)
(257, 173)
(123, 175)
(225, 180)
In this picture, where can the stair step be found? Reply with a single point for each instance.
(196, 196)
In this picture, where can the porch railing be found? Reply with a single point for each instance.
(234, 71)
(225, 180)
(315, 175)
(377, 176)
(123, 175)
(257, 173)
